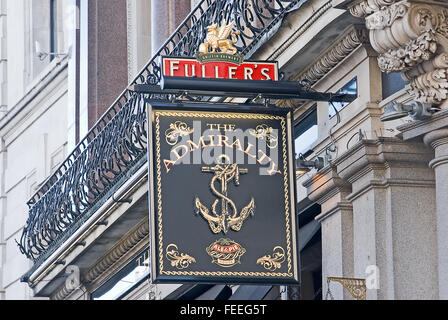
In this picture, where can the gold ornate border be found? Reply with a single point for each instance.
(227, 115)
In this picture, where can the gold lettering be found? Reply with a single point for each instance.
(271, 171)
(178, 156)
(218, 126)
(224, 139)
(264, 156)
(212, 144)
(249, 146)
(237, 143)
(168, 163)
(175, 152)
(194, 146)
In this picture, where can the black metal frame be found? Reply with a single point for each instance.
(250, 89)
(115, 147)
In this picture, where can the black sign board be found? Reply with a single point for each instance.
(222, 194)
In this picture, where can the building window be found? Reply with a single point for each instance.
(392, 83)
(305, 131)
(133, 274)
(42, 35)
(350, 88)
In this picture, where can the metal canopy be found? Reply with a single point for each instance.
(251, 89)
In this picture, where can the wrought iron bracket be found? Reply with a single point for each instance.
(356, 287)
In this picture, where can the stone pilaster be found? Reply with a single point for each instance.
(438, 140)
(330, 191)
(411, 37)
(393, 223)
(3, 60)
(107, 55)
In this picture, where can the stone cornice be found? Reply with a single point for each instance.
(338, 207)
(300, 31)
(343, 47)
(382, 184)
(379, 154)
(129, 245)
(132, 242)
(435, 138)
(325, 184)
(126, 245)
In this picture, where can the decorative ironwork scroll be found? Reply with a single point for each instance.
(356, 287)
(115, 147)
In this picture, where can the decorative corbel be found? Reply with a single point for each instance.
(411, 37)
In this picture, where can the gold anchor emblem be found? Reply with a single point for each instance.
(229, 218)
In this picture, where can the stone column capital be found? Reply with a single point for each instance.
(380, 154)
(411, 37)
(436, 138)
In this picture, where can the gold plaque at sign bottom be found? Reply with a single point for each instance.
(225, 252)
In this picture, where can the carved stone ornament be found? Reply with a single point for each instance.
(417, 51)
(410, 36)
(343, 46)
(363, 8)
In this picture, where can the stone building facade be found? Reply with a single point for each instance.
(375, 212)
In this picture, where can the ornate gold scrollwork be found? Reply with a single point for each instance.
(175, 131)
(273, 262)
(263, 131)
(178, 260)
(356, 287)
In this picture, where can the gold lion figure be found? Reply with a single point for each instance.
(217, 39)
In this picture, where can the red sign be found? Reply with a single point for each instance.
(247, 70)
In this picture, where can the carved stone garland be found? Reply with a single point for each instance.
(411, 37)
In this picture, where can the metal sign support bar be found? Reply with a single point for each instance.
(239, 88)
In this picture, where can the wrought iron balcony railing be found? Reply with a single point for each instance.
(115, 147)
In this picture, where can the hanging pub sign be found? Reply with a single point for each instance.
(222, 194)
(218, 58)
(222, 186)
